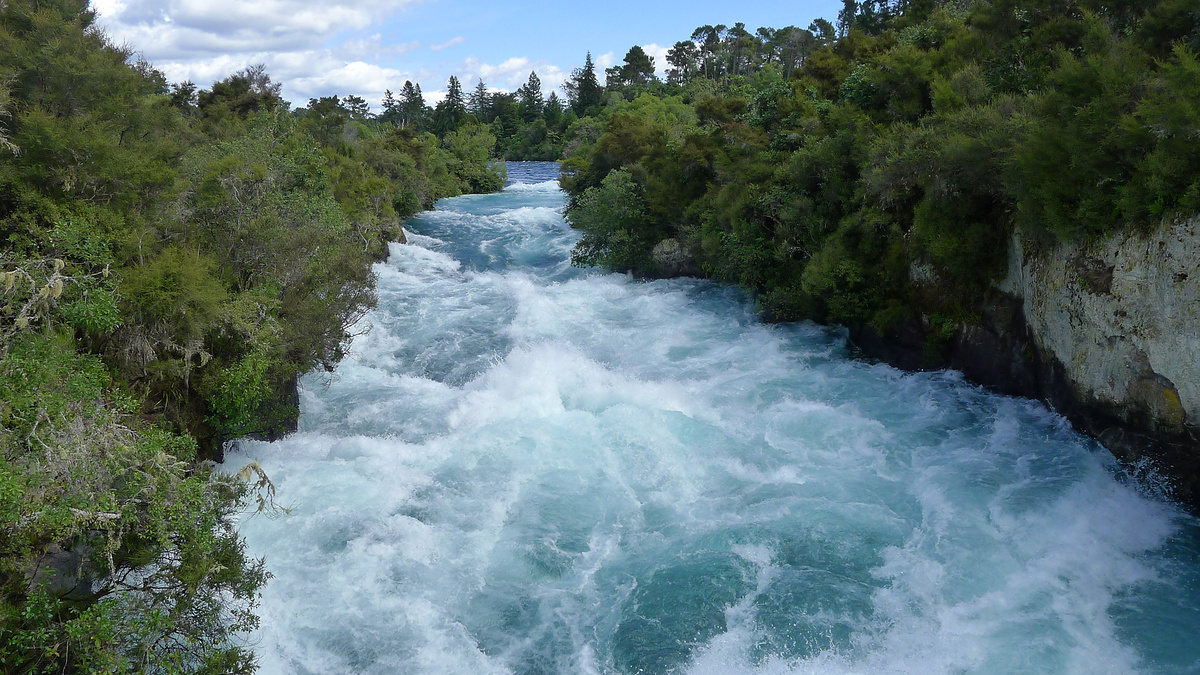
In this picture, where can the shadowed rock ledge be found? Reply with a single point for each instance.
(1107, 333)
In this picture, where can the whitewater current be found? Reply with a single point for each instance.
(524, 467)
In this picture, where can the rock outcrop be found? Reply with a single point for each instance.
(1106, 332)
(1123, 317)
(1120, 319)
(672, 259)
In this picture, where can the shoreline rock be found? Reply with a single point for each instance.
(1107, 333)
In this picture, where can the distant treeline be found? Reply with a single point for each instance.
(827, 168)
(172, 260)
(526, 124)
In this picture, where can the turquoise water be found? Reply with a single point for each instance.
(525, 467)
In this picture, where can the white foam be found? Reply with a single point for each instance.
(414, 239)
(509, 457)
(548, 187)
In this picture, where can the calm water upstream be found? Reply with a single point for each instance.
(529, 468)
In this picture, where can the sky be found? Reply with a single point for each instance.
(363, 47)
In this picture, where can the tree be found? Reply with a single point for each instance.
(325, 119)
(792, 45)
(553, 111)
(246, 91)
(846, 17)
(709, 38)
(612, 78)
(740, 46)
(391, 108)
(183, 95)
(478, 101)
(451, 111)
(505, 114)
(413, 111)
(584, 89)
(531, 98)
(614, 224)
(357, 107)
(683, 57)
(638, 68)
(823, 31)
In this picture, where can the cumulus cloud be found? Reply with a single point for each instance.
(305, 75)
(372, 47)
(206, 40)
(314, 48)
(660, 57)
(511, 73)
(177, 29)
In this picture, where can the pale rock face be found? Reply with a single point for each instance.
(1122, 315)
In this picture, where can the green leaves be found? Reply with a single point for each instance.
(613, 220)
(168, 260)
(95, 503)
(915, 145)
(239, 394)
(178, 286)
(1167, 178)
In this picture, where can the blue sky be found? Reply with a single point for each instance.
(319, 48)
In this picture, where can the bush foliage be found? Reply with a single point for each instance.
(172, 260)
(819, 166)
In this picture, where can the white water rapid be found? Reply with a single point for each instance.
(529, 468)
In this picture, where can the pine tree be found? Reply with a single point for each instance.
(412, 106)
(391, 108)
(357, 107)
(478, 101)
(531, 98)
(553, 111)
(638, 67)
(684, 57)
(584, 89)
(450, 112)
(846, 17)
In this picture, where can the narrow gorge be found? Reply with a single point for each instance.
(528, 467)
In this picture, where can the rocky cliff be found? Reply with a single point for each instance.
(1106, 332)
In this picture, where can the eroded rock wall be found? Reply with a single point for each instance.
(1122, 316)
(1108, 333)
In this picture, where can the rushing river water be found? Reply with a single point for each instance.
(525, 467)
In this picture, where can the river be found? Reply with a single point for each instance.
(524, 467)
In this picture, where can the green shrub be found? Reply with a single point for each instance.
(616, 232)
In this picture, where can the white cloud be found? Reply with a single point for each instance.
(357, 77)
(175, 29)
(309, 74)
(511, 74)
(206, 40)
(604, 61)
(660, 57)
(372, 47)
(313, 48)
(552, 78)
(513, 71)
(445, 45)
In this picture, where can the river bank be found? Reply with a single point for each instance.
(530, 467)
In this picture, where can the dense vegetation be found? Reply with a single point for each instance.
(172, 261)
(526, 124)
(833, 168)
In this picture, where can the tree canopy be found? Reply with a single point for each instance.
(820, 166)
(173, 259)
